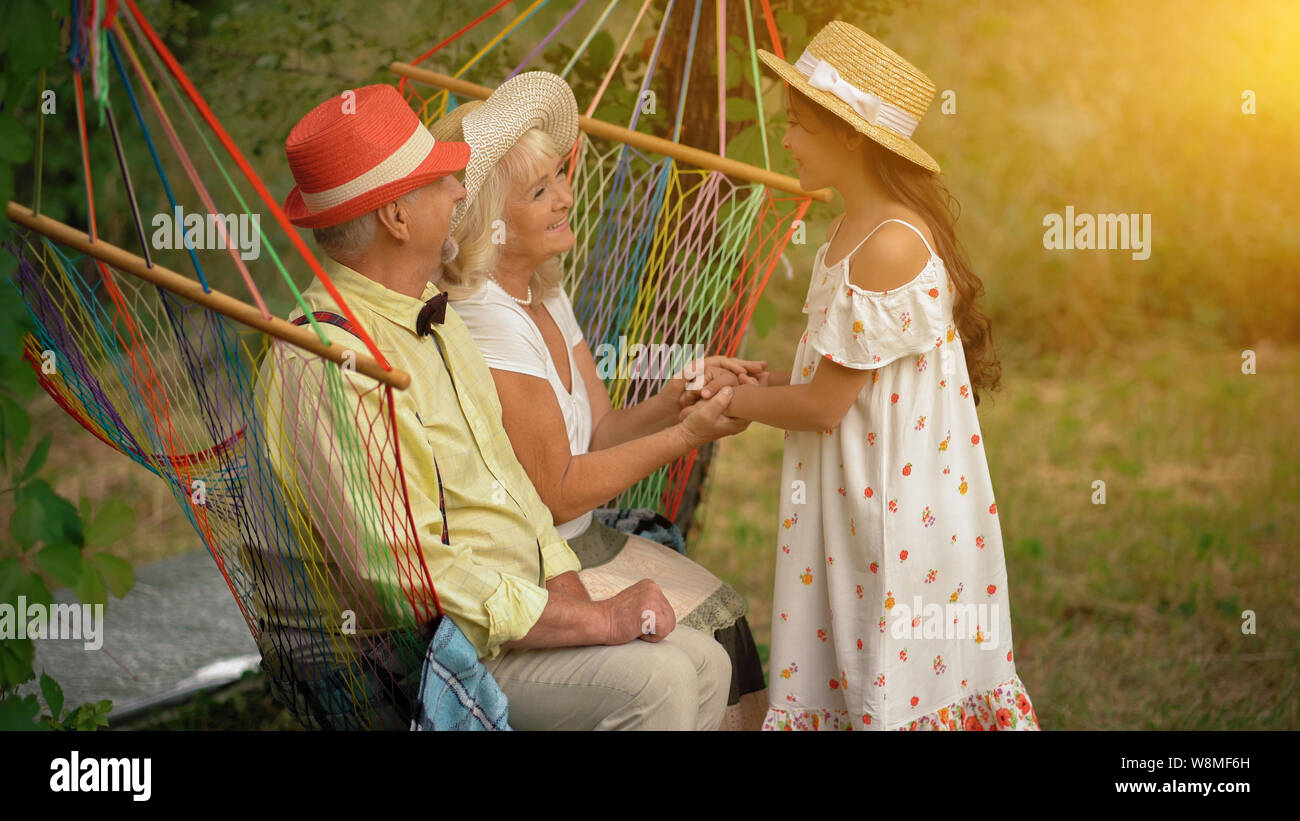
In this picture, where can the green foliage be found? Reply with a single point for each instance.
(43, 548)
(764, 318)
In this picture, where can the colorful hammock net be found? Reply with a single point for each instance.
(276, 443)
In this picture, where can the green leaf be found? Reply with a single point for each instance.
(11, 331)
(64, 563)
(13, 577)
(16, 424)
(614, 113)
(6, 182)
(90, 716)
(20, 713)
(37, 459)
(8, 262)
(28, 525)
(53, 695)
(40, 514)
(15, 142)
(16, 580)
(739, 109)
(115, 520)
(16, 657)
(90, 589)
(38, 47)
(116, 572)
(17, 376)
(747, 146)
(601, 50)
(794, 30)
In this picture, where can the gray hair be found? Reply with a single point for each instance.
(349, 239)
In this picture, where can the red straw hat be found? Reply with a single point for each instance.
(352, 154)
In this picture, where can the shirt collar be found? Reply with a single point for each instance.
(357, 288)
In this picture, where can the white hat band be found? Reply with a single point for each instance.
(823, 76)
(398, 165)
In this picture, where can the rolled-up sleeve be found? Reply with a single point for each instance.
(496, 609)
(558, 557)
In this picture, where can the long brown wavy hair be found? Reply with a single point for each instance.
(925, 193)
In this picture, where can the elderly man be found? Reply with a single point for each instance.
(378, 192)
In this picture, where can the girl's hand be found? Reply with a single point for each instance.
(710, 381)
(710, 375)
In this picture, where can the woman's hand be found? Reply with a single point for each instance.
(712, 374)
(707, 420)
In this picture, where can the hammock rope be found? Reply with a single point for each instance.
(280, 456)
(153, 154)
(197, 100)
(586, 41)
(161, 113)
(537, 49)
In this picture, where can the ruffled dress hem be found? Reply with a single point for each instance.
(1005, 707)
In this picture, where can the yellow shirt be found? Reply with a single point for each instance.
(503, 544)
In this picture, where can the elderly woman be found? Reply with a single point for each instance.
(576, 447)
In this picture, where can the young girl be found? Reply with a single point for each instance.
(891, 606)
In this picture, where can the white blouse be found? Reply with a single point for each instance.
(510, 340)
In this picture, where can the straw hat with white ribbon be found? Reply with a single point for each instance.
(861, 81)
(534, 99)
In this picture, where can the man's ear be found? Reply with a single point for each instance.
(395, 218)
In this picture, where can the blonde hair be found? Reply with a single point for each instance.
(479, 255)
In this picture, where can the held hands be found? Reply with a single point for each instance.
(707, 419)
(639, 612)
(705, 377)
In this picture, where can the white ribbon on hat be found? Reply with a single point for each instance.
(396, 166)
(823, 76)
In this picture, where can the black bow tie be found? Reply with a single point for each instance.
(435, 310)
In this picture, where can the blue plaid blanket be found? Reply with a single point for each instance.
(456, 690)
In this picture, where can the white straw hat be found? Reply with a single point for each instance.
(535, 99)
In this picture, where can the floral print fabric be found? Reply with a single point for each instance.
(891, 603)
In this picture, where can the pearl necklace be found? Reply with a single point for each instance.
(518, 301)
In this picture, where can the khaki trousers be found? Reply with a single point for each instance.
(680, 683)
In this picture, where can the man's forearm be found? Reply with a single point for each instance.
(568, 584)
(567, 621)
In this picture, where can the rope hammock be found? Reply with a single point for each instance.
(280, 455)
(665, 253)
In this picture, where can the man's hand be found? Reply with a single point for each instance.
(639, 612)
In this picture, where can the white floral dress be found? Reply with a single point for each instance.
(891, 607)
